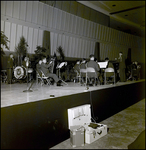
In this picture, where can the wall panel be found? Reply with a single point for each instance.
(71, 23)
(25, 32)
(13, 37)
(67, 22)
(19, 33)
(70, 47)
(55, 19)
(35, 12)
(3, 7)
(63, 21)
(50, 16)
(16, 9)
(35, 39)
(45, 15)
(59, 19)
(66, 46)
(91, 30)
(63, 43)
(30, 40)
(9, 8)
(76, 50)
(59, 40)
(2, 25)
(29, 11)
(85, 28)
(40, 38)
(74, 24)
(40, 14)
(81, 27)
(23, 5)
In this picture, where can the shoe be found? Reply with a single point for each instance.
(58, 84)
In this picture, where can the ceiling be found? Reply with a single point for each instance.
(126, 16)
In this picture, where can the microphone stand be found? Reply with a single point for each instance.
(28, 90)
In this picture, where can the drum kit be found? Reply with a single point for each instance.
(20, 72)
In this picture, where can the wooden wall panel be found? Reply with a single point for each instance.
(74, 24)
(59, 19)
(40, 38)
(77, 25)
(19, 33)
(71, 23)
(67, 22)
(35, 40)
(50, 16)
(30, 40)
(55, 18)
(29, 11)
(3, 7)
(9, 8)
(23, 5)
(66, 46)
(59, 40)
(63, 21)
(40, 14)
(85, 28)
(2, 25)
(45, 15)
(73, 50)
(79, 47)
(83, 47)
(13, 37)
(76, 47)
(63, 42)
(81, 26)
(16, 7)
(91, 30)
(35, 12)
(70, 47)
(25, 32)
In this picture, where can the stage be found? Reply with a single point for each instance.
(36, 120)
(12, 94)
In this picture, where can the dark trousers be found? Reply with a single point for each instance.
(9, 75)
(52, 75)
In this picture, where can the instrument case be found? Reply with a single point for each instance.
(80, 117)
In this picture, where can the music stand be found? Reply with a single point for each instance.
(59, 67)
(28, 90)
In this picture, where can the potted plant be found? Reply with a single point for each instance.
(4, 42)
(21, 50)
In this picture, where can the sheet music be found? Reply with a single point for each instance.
(62, 64)
(103, 64)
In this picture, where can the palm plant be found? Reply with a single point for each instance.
(61, 52)
(4, 42)
(21, 49)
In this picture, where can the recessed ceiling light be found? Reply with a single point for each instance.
(114, 5)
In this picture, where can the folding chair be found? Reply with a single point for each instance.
(77, 75)
(91, 73)
(106, 71)
(43, 78)
(82, 76)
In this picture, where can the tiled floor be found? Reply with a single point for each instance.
(124, 127)
(12, 94)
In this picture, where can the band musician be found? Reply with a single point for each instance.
(10, 67)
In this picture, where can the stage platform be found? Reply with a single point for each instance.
(12, 94)
(34, 120)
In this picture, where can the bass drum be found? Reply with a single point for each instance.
(20, 72)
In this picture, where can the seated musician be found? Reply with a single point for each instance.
(109, 75)
(26, 62)
(83, 66)
(92, 63)
(45, 70)
(77, 66)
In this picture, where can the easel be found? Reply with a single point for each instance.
(59, 67)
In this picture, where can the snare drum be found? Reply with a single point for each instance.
(20, 72)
